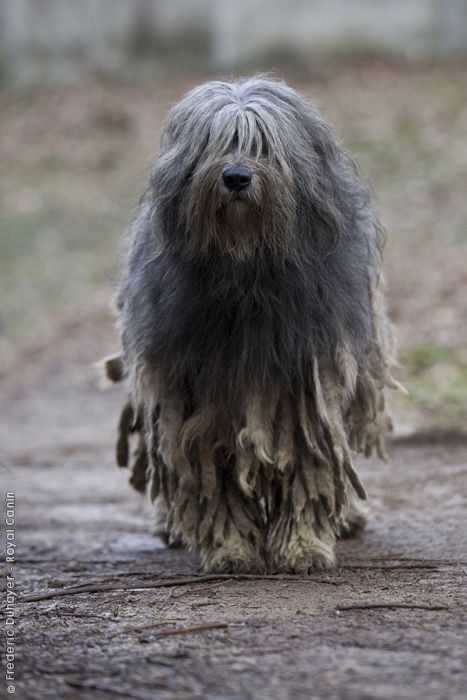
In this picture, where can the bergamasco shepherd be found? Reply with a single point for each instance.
(255, 340)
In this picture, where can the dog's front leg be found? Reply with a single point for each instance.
(226, 527)
(207, 510)
(301, 537)
(231, 534)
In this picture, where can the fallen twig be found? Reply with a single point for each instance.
(143, 628)
(106, 688)
(192, 628)
(208, 587)
(391, 567)
(167, 583)
(390, 606)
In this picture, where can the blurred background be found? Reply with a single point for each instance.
(85, 87)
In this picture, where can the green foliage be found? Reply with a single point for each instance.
(437, 382)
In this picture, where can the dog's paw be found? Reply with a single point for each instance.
(159, 527)
(226, 561)
(170, 541)
(320, 562)
(353, 520)
(300, 559)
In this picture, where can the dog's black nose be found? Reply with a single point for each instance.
(236, 178)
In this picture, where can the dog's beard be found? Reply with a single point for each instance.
(240, 223)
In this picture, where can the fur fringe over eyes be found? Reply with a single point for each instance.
(255, 338)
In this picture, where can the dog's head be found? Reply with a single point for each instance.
(249, 165)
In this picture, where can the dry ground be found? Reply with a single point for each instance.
(79, 524)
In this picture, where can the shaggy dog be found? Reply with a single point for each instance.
(255, 339)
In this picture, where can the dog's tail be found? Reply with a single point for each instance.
(111, 368)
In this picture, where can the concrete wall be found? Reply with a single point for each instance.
(408, 27)
(58, 38)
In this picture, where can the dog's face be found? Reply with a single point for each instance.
(240, 165)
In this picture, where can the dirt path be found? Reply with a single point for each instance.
(78, 523)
